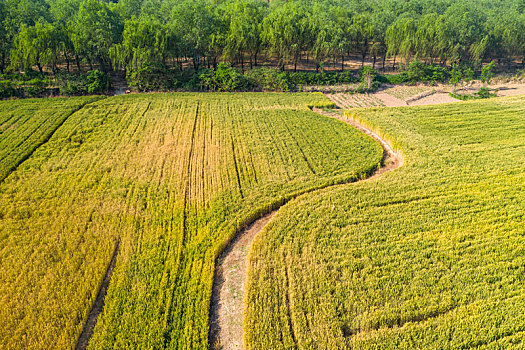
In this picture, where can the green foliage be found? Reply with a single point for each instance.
(30, 84)
(224, 78)
(368, 76)
(94, 30)
(456, 75)
(74, 84)
(97, 82)
(394, 79)
(144, 42)
(7, 89)
(321, 78)
(151, 78)
(482, 93)
(35, 87)
(417, 72)
(270, 79)
(131, 34)
(487, 73)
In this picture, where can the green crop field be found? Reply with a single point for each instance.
(166, 178)
(25, 125)
(429, 256)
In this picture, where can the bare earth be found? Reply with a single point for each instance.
(227, 301)
(228, 289)
(435, 95)
(389, 100)
(435, 98)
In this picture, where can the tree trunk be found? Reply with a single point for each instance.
(101, 64)
(39, 67)
(242, 63)
(365, 46)
(2, 63)
(77, 60)
(374, 65)
(394, 63)
(195, 63)
(342, 63)
(384, 62)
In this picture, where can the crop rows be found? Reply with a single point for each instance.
(25, 125)
(168, 179)
(356, 100)
(430, 256)
(406, 92)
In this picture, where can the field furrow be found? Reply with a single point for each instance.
(161, 175)
(429, 256)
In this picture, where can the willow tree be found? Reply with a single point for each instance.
(287, 32)
(193, 22)
(401, 37)
(144, 42)
(36, 45)
(362, 29)
(244, 20)
(95, 29)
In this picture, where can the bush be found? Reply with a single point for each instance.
(482, 93)
(225, 78)
(20, 85)
(72, 84)
(418, 71)
(151, 78)
(97, 82)
(7, 89)
(394, 79)
(368, 80)
(321, 78)
(269, 79)
(35, 87)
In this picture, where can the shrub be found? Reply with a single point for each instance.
(34, 87)
(394, 79)
(487, 74)
(482, 93)
(155, 77)
(368, 82)
(225, 78)
(321, 78)
(269, 79)
(97, 82)
(72, 84)
(418, 71)
(7, 89)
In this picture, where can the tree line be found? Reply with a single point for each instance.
(130, 34)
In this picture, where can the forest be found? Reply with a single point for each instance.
(131, 35)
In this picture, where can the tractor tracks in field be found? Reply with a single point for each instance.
(98, 305)
(227, 300)
(42, 142)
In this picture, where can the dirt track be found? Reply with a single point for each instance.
(227, 302)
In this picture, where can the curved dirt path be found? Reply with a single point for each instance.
(227, 300)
